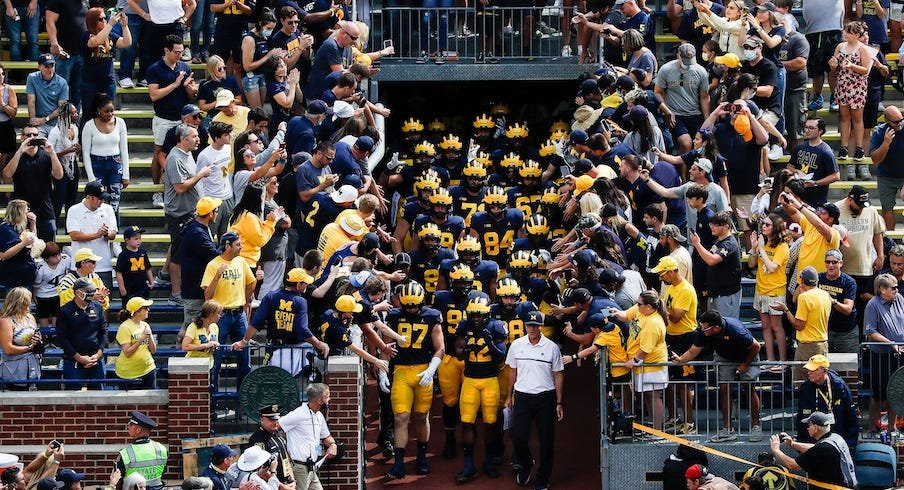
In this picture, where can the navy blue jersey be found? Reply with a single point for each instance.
(450, 229)
(484, 347)
(334, 332)
(284, 314)
(418, 346)
(452, 309)
(512, 318)
(410, 174)
(497, 236)
(425, 270)
(485, 273)
(318, 212)
(411, 210)
(527, 201)
(453, 167)
(465, 204)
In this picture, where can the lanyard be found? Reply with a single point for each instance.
(827, 395)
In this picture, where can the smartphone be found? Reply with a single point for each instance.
(387, 43)
(282, 146)
(37, 142)
(569, 274)
(55, 444)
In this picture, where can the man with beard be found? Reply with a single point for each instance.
(485, 271)
(450, 226)
(497, 226)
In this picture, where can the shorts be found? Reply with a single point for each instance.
(450, 373)
(688, 125)
(679, 344)
(47, 307)
(742, 201)
(646, 380)
(728, 370)
(407, 394)
(795, 112)
(881, 367)
(871, 109)
(174, 227)
(888, 191)
(894, 12)
(770, 116)
(822, 47)
(761, 304)
(480, 393)
(160, 126)
(728, 305)
(252, 82)
(806, 350)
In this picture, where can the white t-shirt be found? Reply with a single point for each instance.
(165, 11)
(80, 218)
(47, 277)
(218, 183)
(305, 429)
(60, 142)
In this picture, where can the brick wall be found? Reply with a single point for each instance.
(92, 423)
(345, 380)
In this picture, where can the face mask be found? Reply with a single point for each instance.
(705, 56)
(267, 33)
(686, 66)
(749, 54)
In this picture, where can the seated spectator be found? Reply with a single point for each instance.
(20, 341)
(51, 268)
(683, 86)
(333, 55)
(201, 336)
(814, 162)
(231, 112)
(222, 458)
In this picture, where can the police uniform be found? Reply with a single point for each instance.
(144, 455)
(274, 443)
(413, 356)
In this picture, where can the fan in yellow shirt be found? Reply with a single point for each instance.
(201, 336)
(138, 345)
(769, 254)
(228, 279)
(253, 231)
(811, 319)
(606, 335)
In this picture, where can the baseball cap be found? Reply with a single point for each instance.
(318, 107)
(49, 484)
(859, 195)
(357, 280)
(221, 452)
(687, 52)
(666, 263)
(609, 210)
(270, 411)
(226, 239)
(578, 136)
(68, 476)
(589, 86)
(137, 303)
(96, 189)
(765, 6)
(86, 254)
(809, 276)
(342, 110)
(365, 143)
(131, 231)
(579, 295)
(819, 418)
(624, 82)
(369, 241)
(611, 276)
(353, 225)
(695, 471)
(832, 209)
(816, 362)
(673, 232)
(344, 194)
(299, 275)
(47, 59)
(207, 204)
(347, 304)
(224, 97)
(532, 317)
(583, 184)
(730, 60)
(196, 483)
(599, 321)
(581, 167)
(638, 113)
(190, 110)
(704, 164)
(589, 220)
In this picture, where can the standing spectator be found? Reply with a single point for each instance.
(200, 339)
(9, 105)
(218, 184)
(769, 255)
(700, 174)
(231, 18)
(134, 274)
(32, 170)
(814, 162)
(884, 145)
(273, 254)
(105, 149)
(767, 94)
(138, 16)
(64, 137)
(103, 37)
(197, 249)
(674, 243)
(828, 460)
(874, 13)
(230, 282)
(92, 224)
(142, 453)
(819, 234)
(735, 350)
(231, 112)
(793, 53)
(168, 18)
(822, 19)
(256, 54)
(843, 333)
(51, 270)
(729, 27)
(875, 94)
(290, 40)
(723, 276)
(334, 54)
(283, 93)
(20, 340)
(191, 115)
(883, 323)
(45, 94)
(248, 220)
(316, 175)
(138, 345)
(684, 86)
(865, 240)
(65, 22)
(300, 131)
(180, 186)
(22, 14)
(82, 332)
(535, 391)
(306, 434)
(850, 65)
(171, 85)
(826, 391)
(811, 319)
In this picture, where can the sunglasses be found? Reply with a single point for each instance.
(831, 262)
(889, 121)
(353, 38)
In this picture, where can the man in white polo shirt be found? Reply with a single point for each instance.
(306, 436)
(535, 392)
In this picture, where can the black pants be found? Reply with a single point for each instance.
(539, 408)
(387, 432)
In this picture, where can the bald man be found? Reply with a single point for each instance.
(885, 147)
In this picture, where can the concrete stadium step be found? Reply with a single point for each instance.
(133, 188)
(785, 159)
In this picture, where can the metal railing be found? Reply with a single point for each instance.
(460, 33)
(879, 361)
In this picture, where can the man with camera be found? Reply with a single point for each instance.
(828, 460)
(31, 169)
(307, 434)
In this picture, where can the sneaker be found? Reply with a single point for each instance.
(157, 199)
(858, 154)
(422, 58)
(186, 55)
(724, 435)
(833, 105)
(686, 429)
(396, 473)
(439, 59)
(775, 152)
(756, 434)
(566, 51)
(491, 58)
(545, 29)
(126, 83)
(843, 153)
(850, 172)
(816, 104)
(672, 424)
(176, 300)
(863, 172)
(143, 82)
(196, 60)
(522, 478)
(481, 58)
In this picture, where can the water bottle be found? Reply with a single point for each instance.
(883, 436)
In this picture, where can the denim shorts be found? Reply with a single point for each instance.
(251, 82)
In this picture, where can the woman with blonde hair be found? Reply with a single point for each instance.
(215, 79)
(639, 57)
(358, 54)
(731, 30)
(20, 339)
(17, 234)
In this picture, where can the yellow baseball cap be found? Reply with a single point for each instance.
(583, 184)
(666, 263)
(816, 362)
(137, 303)
(207, 204)
(347, 304)
(299, 275)
(86, 254)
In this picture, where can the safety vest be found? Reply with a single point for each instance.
(147, 459)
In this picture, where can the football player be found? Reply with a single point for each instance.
(516, 139)
(425, 261)
(334, 325)
(468, 197)
(550, 207)
(497, 226)
(482, 140)
(450, 226)
(507, 175)
(451, 158)
(526, 195)
(423, 189)
(412, 377)
(485, 271)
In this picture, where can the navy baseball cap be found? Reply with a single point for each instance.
(318, 107)
(190, 110)
(227, 238)
(47, 59)
(578, 136)
(365, 143)
(131, 231)
(69, 476)
(221, 452)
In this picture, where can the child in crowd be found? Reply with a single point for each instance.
(53, 266)
(133, 267)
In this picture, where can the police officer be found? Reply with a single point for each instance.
(144, 455)
(271, 438)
